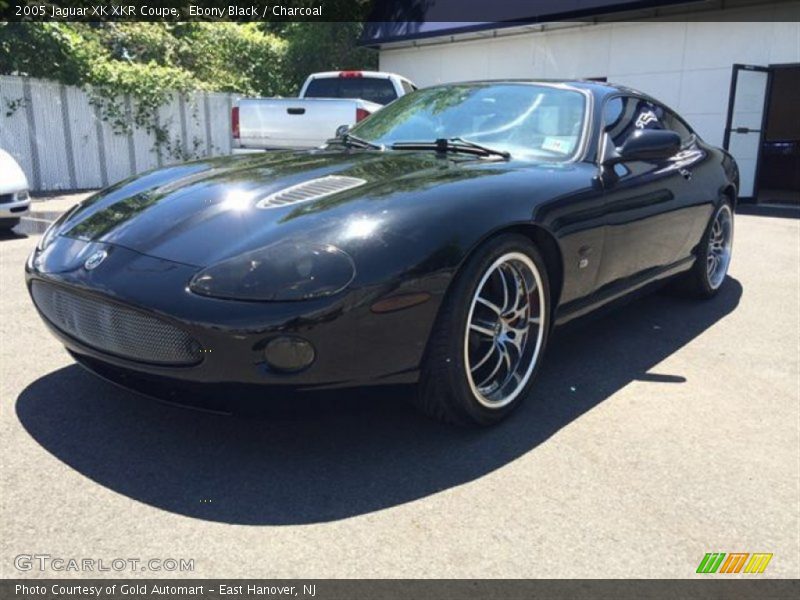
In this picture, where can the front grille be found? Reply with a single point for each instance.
(114, 329)
(310, 190)
(6, 198)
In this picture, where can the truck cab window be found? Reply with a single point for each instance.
(380, 91)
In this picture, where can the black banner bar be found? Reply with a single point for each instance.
(419, 16)
(184, 10)
(715, 586)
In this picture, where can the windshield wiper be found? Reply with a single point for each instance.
(454, 144)
(353, 141)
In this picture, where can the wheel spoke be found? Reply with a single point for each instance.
(517, 294)
(714, 264)
(520, 328)
(504, 285)
(507, 358)
(483, 329)
(491, 375)
(490, 305)
(482, 361)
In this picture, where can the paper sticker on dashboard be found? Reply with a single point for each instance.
(562, 145)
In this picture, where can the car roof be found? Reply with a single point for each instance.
(600, 88)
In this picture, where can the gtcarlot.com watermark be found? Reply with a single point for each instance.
(45, 563)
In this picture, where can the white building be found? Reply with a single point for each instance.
(686, 57)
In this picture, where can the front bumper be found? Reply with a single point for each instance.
(15, 209)
(353, 345)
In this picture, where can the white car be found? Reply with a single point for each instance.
(14, 199)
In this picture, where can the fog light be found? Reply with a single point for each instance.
(289, 354)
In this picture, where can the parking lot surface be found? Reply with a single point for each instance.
(657, 433)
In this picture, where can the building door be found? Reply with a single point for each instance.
(745, 125)
(779, 167)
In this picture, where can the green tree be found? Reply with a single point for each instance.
(314, 47)
(151, 61)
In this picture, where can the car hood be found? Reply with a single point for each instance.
(203, 212)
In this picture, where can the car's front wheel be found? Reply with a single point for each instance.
(490, 335)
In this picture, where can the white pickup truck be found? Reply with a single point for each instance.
(326, 101)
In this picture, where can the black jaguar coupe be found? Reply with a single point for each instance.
(439, 242)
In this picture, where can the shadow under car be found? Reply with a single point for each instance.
(345, 453)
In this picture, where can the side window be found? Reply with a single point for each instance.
(625, 114)
(407, 87)
(676, 124)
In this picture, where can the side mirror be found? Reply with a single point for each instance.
(647, 144)
(341, 130)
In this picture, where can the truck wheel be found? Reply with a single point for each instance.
(8, 224)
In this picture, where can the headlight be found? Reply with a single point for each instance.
(21, 196)
(280, 272)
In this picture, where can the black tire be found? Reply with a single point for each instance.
(8, 224)
(697, 282)
(446, 391)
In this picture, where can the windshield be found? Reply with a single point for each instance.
(530, 121)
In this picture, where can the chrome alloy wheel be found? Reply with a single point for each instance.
(505, 329)
(720, 242)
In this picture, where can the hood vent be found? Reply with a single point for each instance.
(310, 190)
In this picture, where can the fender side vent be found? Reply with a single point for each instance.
(310, 190)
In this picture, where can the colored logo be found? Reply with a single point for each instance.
(95, 259)
(734, 562)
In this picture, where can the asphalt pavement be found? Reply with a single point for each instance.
(657, 433)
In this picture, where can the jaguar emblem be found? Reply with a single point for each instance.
(95, 259)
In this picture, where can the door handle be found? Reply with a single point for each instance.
(687, 174)
(296, 111)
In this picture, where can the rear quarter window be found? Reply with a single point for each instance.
(623, 115)
(678, 125)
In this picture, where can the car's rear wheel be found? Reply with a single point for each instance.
(490, 335)
(713, 255)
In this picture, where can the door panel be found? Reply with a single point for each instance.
(743, 132)
(647, 226)
(650, 205)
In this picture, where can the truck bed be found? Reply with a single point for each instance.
(283, 123)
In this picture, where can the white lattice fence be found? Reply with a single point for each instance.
(62, 143)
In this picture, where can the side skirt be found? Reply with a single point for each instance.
(620, 289)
